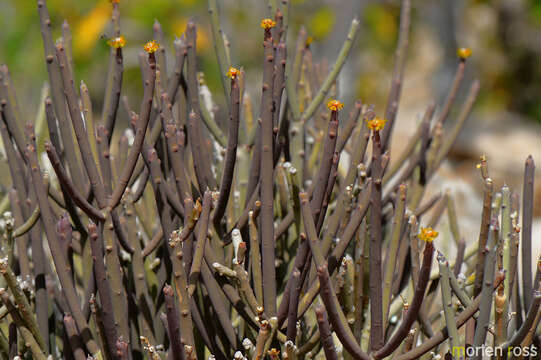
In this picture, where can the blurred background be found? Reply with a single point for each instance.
(505, 37)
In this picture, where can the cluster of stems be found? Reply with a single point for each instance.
(220, 233)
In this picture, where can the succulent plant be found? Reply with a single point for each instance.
(284, 237)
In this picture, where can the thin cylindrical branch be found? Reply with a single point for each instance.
(73, 337)
(175, 142)
(28, 224)
(401, 54)
(141, 128)
(376, 240)
(483, 236)
(390, 264)
(202, 229)
(322, 177)
(349, 126)
(104, 287)
(325, 334)
(462, 117)
(231, 153)
(37, 352)
(218, 42)
(22, 241)
(531, 315)
(255, 257)
(442, 335)
(448, 310)
(113, 87)
(57, 92)
(69, 187)
(332, 75)
(23, 305)
(486, 292)
(527, 216)
(202, 161)
(63, 270)
(266, 232)
(176, 348)
(328, 295)
(10, 108)
(79, 127)
(414, 308)
(294, 292)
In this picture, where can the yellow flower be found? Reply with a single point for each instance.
(335, 105)
(273, 353)
(463, 53)
(428, 234)
(114, 1)
(233, 73)
(117, 42)
(268, 24)
(376, 124)
(151, 46)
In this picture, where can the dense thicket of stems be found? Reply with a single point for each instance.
(254, 236)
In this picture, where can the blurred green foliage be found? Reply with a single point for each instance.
(502, 35)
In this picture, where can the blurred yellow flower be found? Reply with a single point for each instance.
(463, 53)
(89, 28)
(376, 124)
(151, 46)
(117, 42)
(428, 234)
(268, 24)
(335, 105)
(233, 73)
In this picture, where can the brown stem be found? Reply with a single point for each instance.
(63, 270)
(527, 216)
(141, 128)
(266, 189)
(79, 127)
(376, 240)
(231, 153)
(104, 288)
(325, 333)
(68, 186)
(413, 310)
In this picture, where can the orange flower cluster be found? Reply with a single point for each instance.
(268, 24)
(335, 105)
(151, 46)
(376, 124)
(233, 73)
(427, 234)
(463, 53)
(117, 42)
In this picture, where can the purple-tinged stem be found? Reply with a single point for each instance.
(63, 270)
(141, 128)
(413, 309)
(176, 348)
(266, 178)
(104, 287)
(376, 240)
(527, 218)
(325, 333)
(231, 154)
(67, 185)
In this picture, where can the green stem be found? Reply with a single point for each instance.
(333, 74)
(447, 299)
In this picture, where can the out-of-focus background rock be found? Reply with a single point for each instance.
(505, 37)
